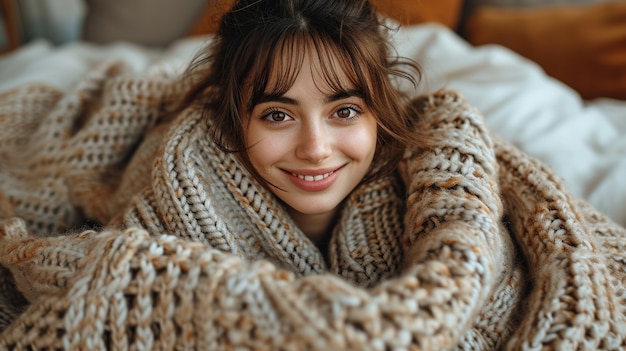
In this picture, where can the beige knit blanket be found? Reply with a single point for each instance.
(471, 245)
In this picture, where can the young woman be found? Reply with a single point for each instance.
(308, 205)
(306, 101)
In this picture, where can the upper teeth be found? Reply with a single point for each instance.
(310, 178)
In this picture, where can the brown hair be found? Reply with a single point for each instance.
(242, 57)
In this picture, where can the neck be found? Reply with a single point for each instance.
(316, 227)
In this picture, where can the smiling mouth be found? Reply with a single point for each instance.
(311, 178)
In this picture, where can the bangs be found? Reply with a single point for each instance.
(275, 73)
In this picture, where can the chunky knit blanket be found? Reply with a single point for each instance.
(123, 227)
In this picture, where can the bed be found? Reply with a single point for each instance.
(582, 140)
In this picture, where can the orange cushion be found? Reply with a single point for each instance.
(446, 12)
(584, 46)
(210, 19)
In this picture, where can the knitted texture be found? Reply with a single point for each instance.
(471, 245)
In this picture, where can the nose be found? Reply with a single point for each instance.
(315, 143)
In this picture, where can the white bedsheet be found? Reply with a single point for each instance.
(583, 141)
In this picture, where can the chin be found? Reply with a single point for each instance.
(313, 209)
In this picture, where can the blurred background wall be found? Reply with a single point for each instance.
(59, 21)
(146, 22)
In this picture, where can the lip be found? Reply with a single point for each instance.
(302, 178)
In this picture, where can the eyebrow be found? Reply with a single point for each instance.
(344, 94)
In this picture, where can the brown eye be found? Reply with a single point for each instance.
(344, 112)
(276, 116)
(347, 113)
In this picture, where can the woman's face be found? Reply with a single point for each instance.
(314, 146)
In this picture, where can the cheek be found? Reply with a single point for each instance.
(263, 151)
(360, 143)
